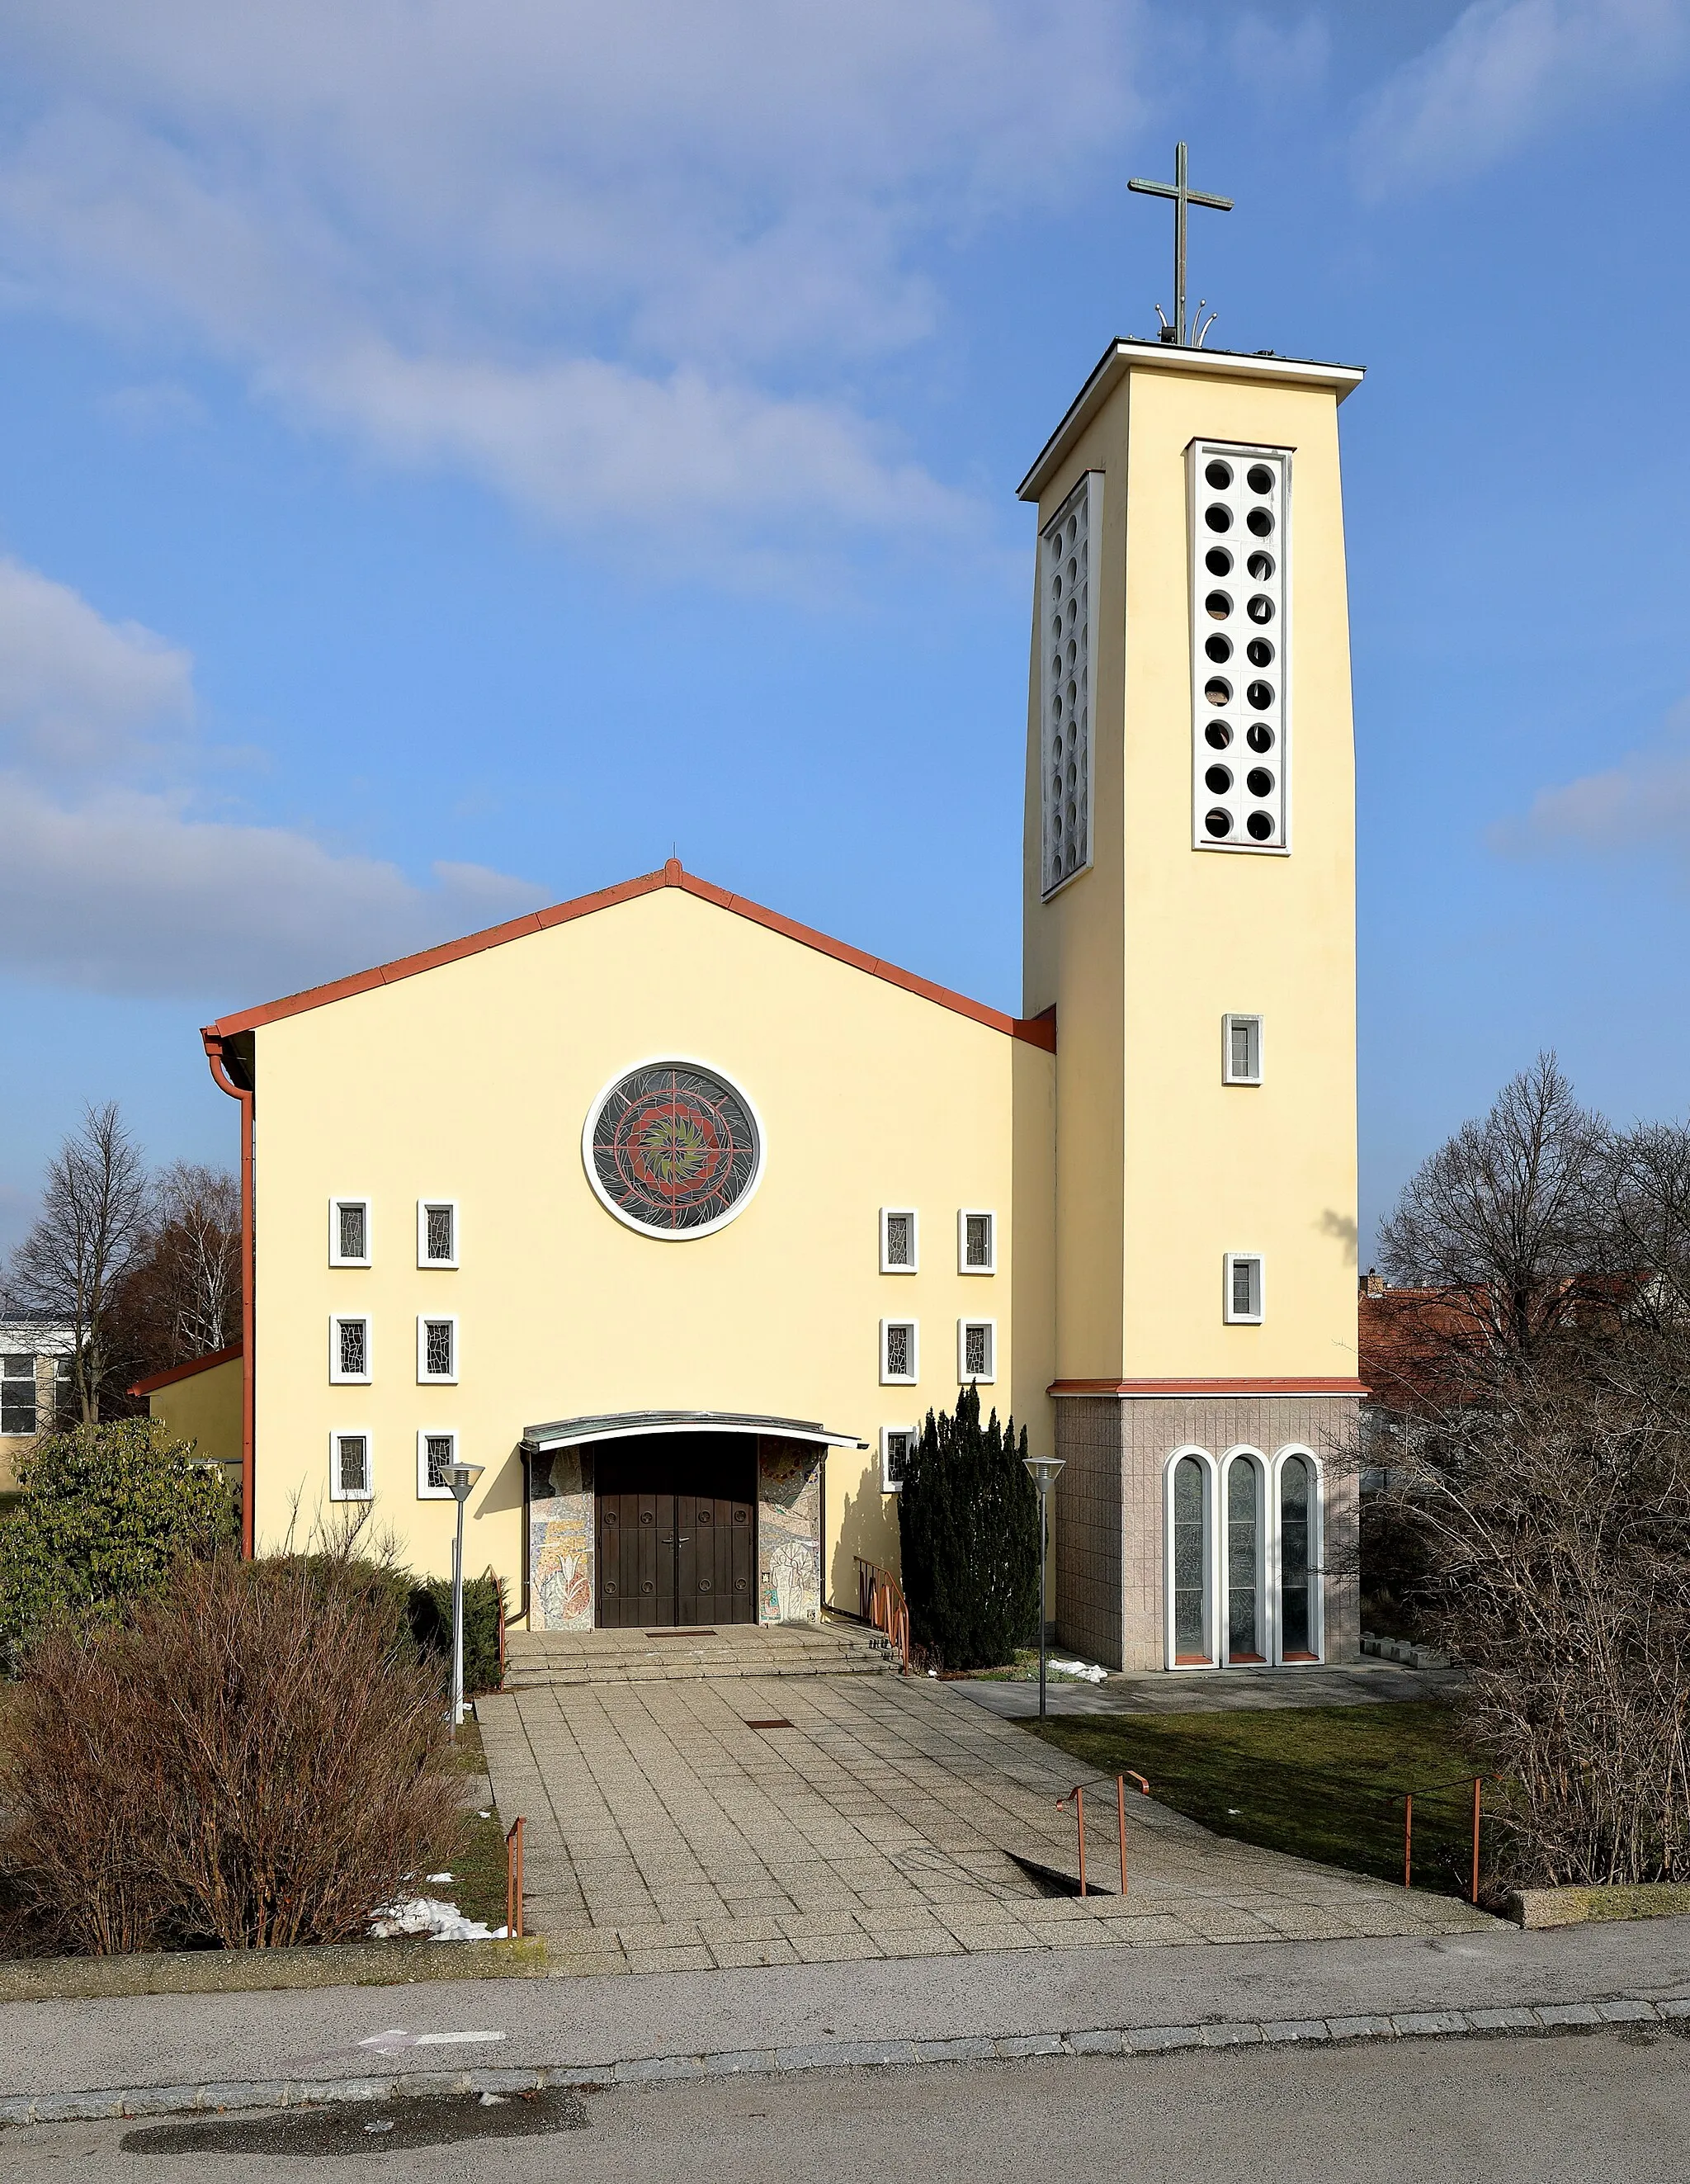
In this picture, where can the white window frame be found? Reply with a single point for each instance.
(964, 1215)
(336, 1256)
(888, 1483)
(1317, 1575)
(424, 1321)
(1228, 1074)
(31, 1380)
(1086, 503)
(1211, 1561)
(964, 1378)
(337, 1379)
(425, 1436)
(1266, 1560)
(1239, 455)
(909, 1214)
(901, 1379)
(425, 1207)
(1229, 1260)
(336, 1492)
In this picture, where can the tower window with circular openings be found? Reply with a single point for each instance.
(1068, 551)
(1239, 490)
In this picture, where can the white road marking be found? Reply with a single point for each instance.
(387, 2043)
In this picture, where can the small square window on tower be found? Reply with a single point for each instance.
(1243, 1289)
(898, 1239)
(349, 1467)
(1240, 646)
(348, 1232)
(348, 1349)
(976, 1242)
(1068, 553)
(977, 1349)
(437, 1347)
(435, 1452)
(1241, 1050)
(899, 1357)
(898, 1446)
(436, 1232)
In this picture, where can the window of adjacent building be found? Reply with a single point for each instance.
(898, 1444)
(436, 1232)
(349, 1467)
(437, 1348)
(348, 1348)
(1240, 506)
(1243, 1274)
(436, 1452)
(1241, 1050)
(348, 1232)
(898, 1360)
(17, 1394)
(976, 1242)
(1189, 1529)
(897, 1240)
(1068, 554)
(977, 1349)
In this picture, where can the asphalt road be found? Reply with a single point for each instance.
(1599, 2109)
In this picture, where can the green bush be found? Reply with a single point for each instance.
(430, 1610)
(105, 1513)
(968, 1526)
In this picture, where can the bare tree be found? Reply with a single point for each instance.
(1642, 1241)
(96, 1219)
(181, 1296)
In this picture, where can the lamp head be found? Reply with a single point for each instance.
(1043, 1470)
(461, 1477)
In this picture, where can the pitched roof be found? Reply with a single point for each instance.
(1037, 1031)
(172, 1373)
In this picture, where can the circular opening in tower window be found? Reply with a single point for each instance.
(1217, 606)
(1260, 608)
(1218, 780)
(1259, 781)
(1258, 652)
(1218, 562)
(1218, 518)
(1261, 696)
(1260, 521)
(1260, 567)
(1220, 475)
(1218, 691)
(1218, 822)
(1259, 478)
(1217, 735)
(1072, 571)
(1218, 647)
(1260, 736)
(1261, 827)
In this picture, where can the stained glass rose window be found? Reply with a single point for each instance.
(673, 1149)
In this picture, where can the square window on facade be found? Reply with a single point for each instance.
(898, 1444)
(348, 1348)
(977, 1349)
(436, 1452)
(976, 1242)
(1241, 1050)
(436, 1232)
(436, 1348)
(1243, 1288)
(18, 1413)
(898, 1360)
(348, 1232)
(898, 1240)
(349, 1467)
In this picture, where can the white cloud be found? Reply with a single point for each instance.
(77, 690)
(1505, 71)
(1639, 806)
(639, 261)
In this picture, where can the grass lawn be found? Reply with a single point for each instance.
(1322, 1782)
(477, 1866)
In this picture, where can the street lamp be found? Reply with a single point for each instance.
(460, 1477)
(1044, 1469)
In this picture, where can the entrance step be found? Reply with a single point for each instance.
(537, 1659)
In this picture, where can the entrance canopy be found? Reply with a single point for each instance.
(570, 1433)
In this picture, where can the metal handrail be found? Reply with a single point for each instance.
(512, 1879)
(883, 1604)
(1407, 1796)
(1078, 1796)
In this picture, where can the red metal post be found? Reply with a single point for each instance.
(1080, 1815)
(1478, 1783)
(1121, 1814)
(1407, 1840)
(513, 1878)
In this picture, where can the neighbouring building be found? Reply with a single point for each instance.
(34, 1386)
(676, 1216)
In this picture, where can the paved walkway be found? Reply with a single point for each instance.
(1197, 1690)
(687, 1822)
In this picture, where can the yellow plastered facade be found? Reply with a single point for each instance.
(204, 1408)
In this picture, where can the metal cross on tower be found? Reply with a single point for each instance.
(1182, 197)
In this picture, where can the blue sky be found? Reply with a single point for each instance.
(451, 454)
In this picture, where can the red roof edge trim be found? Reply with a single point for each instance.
(1313, 1384)
(1037, 1031)
(154, 1381)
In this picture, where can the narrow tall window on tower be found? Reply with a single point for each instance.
(1241, 644)
(1067, 553)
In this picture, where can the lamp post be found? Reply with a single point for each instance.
(460, 1477)
(1044, 1469)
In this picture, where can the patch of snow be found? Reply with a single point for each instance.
(428, 1914)
(440, 1877)
(1087, 1671)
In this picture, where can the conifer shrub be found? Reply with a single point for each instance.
(430, 1611)
(969, 1532)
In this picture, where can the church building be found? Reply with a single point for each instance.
(676, 1217)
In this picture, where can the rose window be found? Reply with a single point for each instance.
(673, 1149)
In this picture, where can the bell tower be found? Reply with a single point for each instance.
(1189, 912)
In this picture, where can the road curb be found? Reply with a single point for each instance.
(234, 2095)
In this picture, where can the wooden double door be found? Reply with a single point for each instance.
(677, 1532)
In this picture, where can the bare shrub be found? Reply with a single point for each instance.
(254, 1759)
